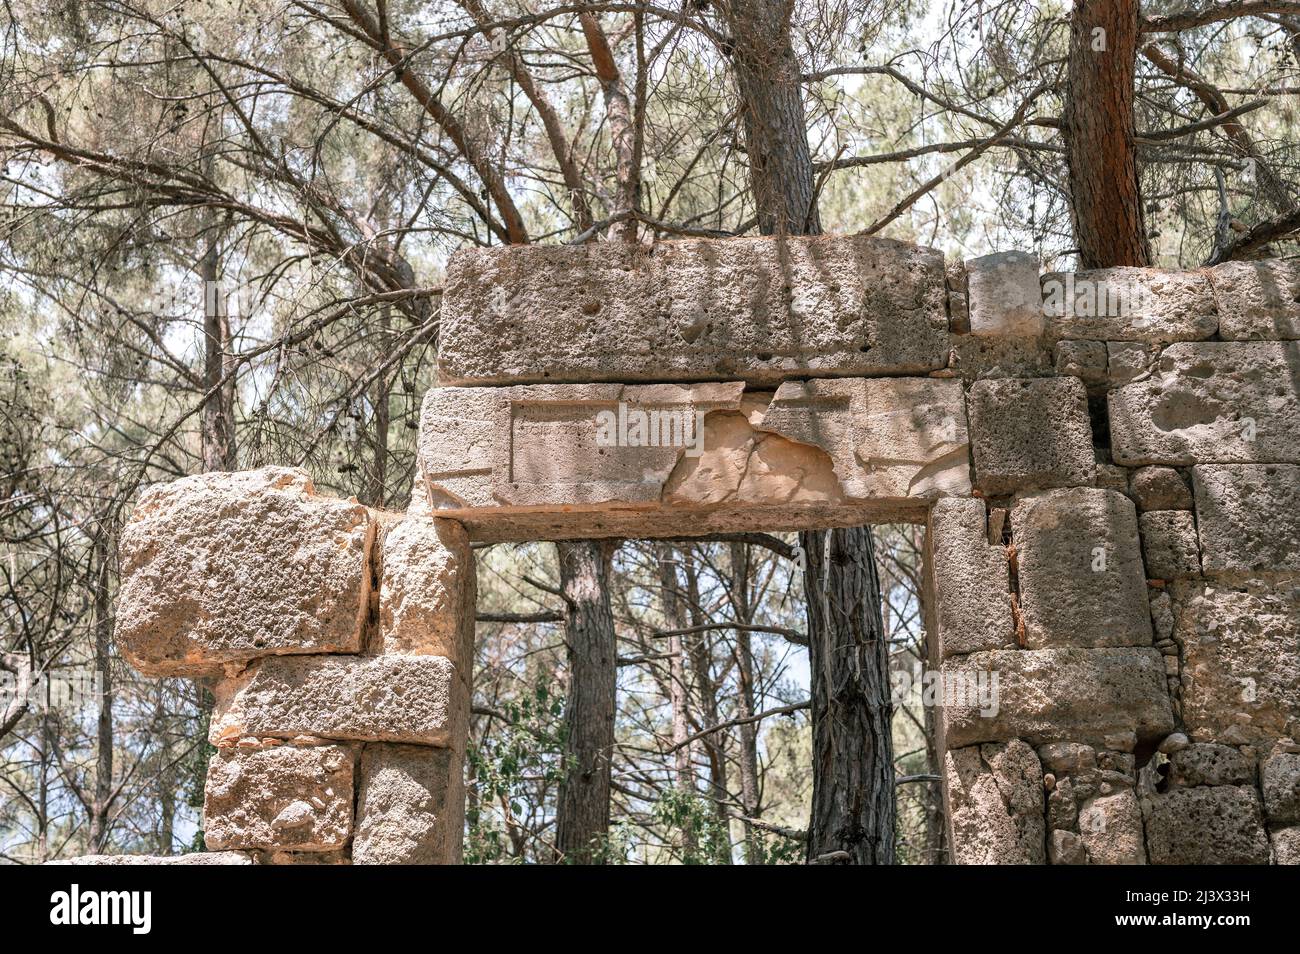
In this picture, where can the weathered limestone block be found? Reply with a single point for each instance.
(1160, 488)
(280, 797)
(1110, 477)
(1129, 360)
(1005, 298)
(1280, 780)
(640, 452)
(971, 594)
(1129, 304)
(1169, 545)
(1211, 402)
(1208, 825)
(1054, 695)
(1066, 848)
(1068, 758)
(1208, 763)
(194, 858)
(1110, 827)
(1286, 845)
(222, 568)
(1080, 569)
(411, 809)
(1241, 659)
(1258, 299)
(995, 802)
(973, 359)
(1248, 517)
(888, 437)
(427, 591)
(1082, 359)
(419, 699)
(1029, 434)
(760, 310)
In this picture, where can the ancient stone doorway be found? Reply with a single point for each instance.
(1107, 491)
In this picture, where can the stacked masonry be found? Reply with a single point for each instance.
(340, 640)
(1108, 462)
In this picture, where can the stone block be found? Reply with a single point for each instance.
(1029, 434)
(1110, 827)
(1280, 781)
(411, 809)
(1160, 488)
(1248, 518)
(1208, 763)
(1258, 299)
(541, 462)
(1241, 659)
(1082, 359)
(1129, 361)
(193, 858)
(1286, 845)
(1080, 569)
(1211, 402)
(1129, 304)
(427, 591)
(418, 699)
(1207, 825)
(221, 568)
(1169, 545)
(1005, 298)
(756, 309)
(280, 797)
(1056, 695)
(972, 595)
(1066, 848)
(995, 803)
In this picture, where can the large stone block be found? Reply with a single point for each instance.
(279, 797)
(411, 809)
(1129, 304)
(606, 459)
(1279, 776)
(419, 699)
(1211, 402)
(1169, 545)
(427, 590)
(1208, 763)
(222, 568)
(995, 804)
(1210, 825)
(971, 592)
(1160, 488)
(1004, 294)
(1258, 299)
(1056, 695)
(1080, 569)
(1029, 434)
(761, 310)
(1286, 845)
(1110, 827)
(1241, 659)
(1248, 517)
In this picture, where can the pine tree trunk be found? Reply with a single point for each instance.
(582, 815)
(217, 423)
(101, 803)
(1097, 123)
(853, 753)
(776, 134)
(745, 707)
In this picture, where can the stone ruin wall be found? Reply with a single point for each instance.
(1112, 503)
